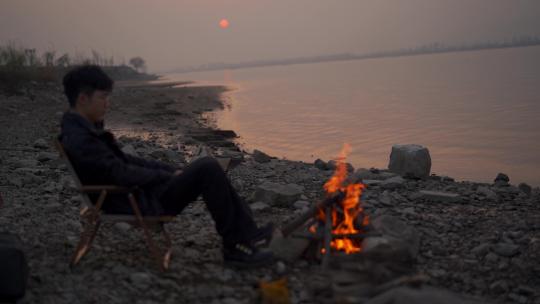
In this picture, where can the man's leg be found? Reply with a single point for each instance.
(205, 177)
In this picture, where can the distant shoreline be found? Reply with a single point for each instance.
(425, 50)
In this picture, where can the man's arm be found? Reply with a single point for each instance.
(97, 160)
(150, 163)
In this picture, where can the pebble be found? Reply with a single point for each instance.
(141, 279)
(506, 250)
(280, 267)
(491, 257)
(122, 226)
(259, 206)
(301, 204)
(393, 183)
(42, 144)
(46, 156)
(481, 249)
(499, 286)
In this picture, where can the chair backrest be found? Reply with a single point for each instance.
(71, 170)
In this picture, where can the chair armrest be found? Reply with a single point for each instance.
(108, 188)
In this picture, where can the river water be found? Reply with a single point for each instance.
(477, 112)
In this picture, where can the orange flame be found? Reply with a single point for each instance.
(343, 224)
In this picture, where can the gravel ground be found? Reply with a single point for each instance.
(485, 244)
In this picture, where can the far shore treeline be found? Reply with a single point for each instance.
(20, 65)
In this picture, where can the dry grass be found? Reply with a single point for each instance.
(19, 66)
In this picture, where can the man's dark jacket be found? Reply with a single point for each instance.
(98, 160)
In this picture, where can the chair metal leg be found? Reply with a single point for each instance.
(168, 249)
(163, 262)
(87, 237)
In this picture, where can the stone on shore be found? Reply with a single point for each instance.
(288, 248)
(490, 194)
(502, 177)
(122, 226)
(438, 196)
(277, 194)
(397, 239)
(301, 205)
(129, 149)
(482, 249)
(370, 174)
(393, 183)
(372, 182)
(46, 156)
(259, 206)
(423, 295)
(525, 188)
(506, 250)
(410, 161)
(261, 157)
(320, 164)
(41, 144)
(501, 180)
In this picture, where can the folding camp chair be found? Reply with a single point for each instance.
(92, 217)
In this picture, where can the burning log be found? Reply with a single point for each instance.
(327, 239)
(337, 222)
(312, 212)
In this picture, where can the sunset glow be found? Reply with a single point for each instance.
(224, 23)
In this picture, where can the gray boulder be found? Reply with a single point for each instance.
(525, 188)
(320, 164)
(287, 248)
(393, 183)
(490, 194)
(261, 157)
(501, 180)
(410, 161)
(129, 149)
(397, 239)
(501, 177)
(277, 194)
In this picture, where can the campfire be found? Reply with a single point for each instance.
(346, 217)
(337, 224)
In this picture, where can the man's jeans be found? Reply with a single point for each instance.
(205, 177)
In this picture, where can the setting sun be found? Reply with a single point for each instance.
(224, 23)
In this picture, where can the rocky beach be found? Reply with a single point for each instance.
(462, 241)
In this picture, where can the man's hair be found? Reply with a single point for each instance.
(85, 79)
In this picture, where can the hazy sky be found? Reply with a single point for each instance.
(176, 33)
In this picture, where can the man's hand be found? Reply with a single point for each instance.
(177, 172)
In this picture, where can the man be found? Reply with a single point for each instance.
(164, 190)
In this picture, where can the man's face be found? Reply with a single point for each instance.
(95, 106)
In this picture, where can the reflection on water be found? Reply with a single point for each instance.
(475, 111)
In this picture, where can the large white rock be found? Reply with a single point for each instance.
(410, 160)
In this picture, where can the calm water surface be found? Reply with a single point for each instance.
(477, 112)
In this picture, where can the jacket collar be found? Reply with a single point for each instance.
(72, 117)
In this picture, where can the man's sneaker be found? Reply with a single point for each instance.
(244, 255)
(262, 236)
